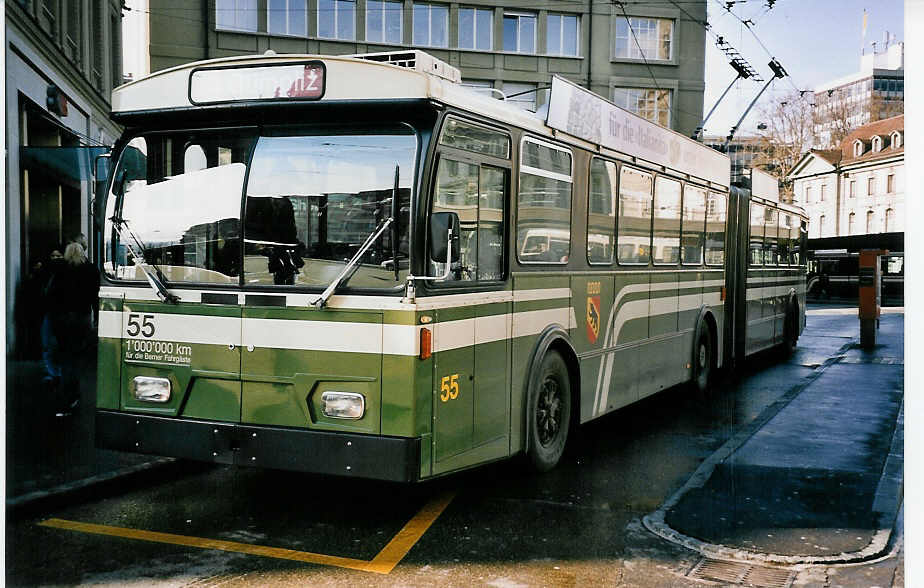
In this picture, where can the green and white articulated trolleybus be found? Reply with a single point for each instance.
(355, 265)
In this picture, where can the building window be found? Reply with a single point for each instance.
(521, 95)
(851, 223)
(654, 37)
(287, 17)
(431, 24)
(896, 140)
(871, 185)
(877, 144)
(870, 218)
(73, 33)
(520, 32)
(115, 49)
(236, 15)
(383, 21)
(890, 183)
(655, 105)
(889, 220)
(857, 148)
(853, 188)
(821, 226)
(824, 189)
(476, 28)
(562, 35)
(808, 194)
(337, 19)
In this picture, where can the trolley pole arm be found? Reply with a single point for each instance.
(778, 72)
(702, 125)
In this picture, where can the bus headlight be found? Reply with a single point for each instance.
(150, 389)
(343, 405)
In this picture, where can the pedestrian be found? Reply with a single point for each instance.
(71, 298)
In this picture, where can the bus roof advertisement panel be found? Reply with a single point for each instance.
(586, 115)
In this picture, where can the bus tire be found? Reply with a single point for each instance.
(703, 360)
(549, 413)
(790, 332)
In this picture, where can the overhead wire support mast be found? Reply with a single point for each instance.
(778, 72)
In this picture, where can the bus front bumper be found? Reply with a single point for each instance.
(321, 452)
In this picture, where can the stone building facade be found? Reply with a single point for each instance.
(63, 58)
(512, 48)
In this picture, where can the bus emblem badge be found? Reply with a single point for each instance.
(593, 318)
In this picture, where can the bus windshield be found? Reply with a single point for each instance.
(309, 202)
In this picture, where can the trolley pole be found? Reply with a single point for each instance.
(778, 72)
(744, 73)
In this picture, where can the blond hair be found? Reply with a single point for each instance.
(75, 254)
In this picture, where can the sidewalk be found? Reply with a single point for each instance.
(47, 455)
(816, 479)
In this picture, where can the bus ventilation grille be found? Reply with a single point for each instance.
(416, 60)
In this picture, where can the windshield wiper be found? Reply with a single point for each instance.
(155, 278)
(372, 238)
(342, 277)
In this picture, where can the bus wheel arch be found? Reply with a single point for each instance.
(791, 324)
(553, 363)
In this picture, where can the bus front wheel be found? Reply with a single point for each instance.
(549, 413)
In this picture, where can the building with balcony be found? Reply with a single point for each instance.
(63, 58)
(512, 48)
(857, 189)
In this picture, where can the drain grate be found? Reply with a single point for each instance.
(742, 574)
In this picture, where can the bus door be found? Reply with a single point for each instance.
(471, 341)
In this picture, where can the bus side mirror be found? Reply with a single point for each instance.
(440, 225)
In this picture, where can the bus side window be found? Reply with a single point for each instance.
(771, 227)
(633, 229)
(544, 203)
(693, 225)
(757, 235)
(601, 212)
(666, 249)
(716, 214)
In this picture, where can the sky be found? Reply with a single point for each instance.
(816, 41)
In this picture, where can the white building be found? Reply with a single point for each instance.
(857, 189)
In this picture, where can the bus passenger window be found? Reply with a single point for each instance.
(757, 235)
(601, 212)
(666, 249)
(693, 225)
(634, 221)
(477, 194)
(716, 213)
(785, 238)
(544, 203)
(771, 226)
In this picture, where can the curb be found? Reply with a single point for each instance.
(886, 504)
(33, 499)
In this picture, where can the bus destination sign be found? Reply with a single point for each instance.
(301, 81)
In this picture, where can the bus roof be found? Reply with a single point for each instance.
(237, 81)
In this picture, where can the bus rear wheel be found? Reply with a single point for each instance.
(790, 333)
(702, 361)
(549, 413)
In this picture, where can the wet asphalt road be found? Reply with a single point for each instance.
(577, 525)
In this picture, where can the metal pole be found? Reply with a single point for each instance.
(778, 72)
(702, 125)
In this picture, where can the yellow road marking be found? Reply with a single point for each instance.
(383, 563)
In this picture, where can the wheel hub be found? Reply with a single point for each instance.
(548, 411)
